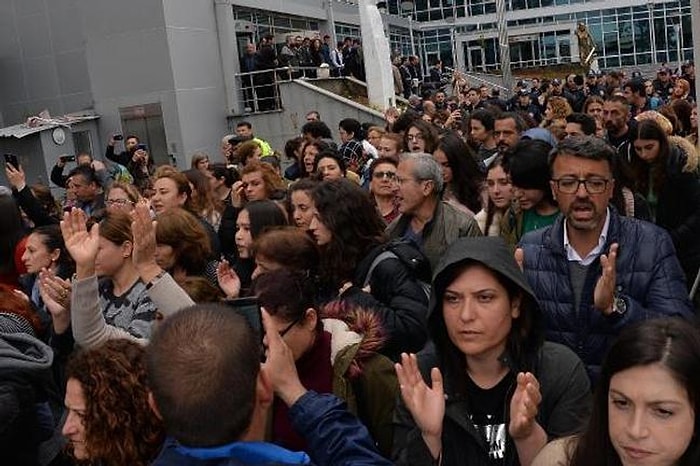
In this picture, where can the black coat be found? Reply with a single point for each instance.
(678, 211)
(398, 298)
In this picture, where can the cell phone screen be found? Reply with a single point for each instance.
(12, 160)
(250, 309)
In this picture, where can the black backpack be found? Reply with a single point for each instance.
(414, 260)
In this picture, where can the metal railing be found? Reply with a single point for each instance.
(259, 90)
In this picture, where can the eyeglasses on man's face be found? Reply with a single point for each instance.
(381, 175)
(570, 185)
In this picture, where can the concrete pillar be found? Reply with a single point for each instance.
(377, 56)
(228, 47)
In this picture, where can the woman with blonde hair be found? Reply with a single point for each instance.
(121, 197)
(557, 108)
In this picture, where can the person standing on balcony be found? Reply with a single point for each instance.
(337, 63)
(249, 64)
(265, 82)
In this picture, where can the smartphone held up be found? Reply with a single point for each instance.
(11, 159)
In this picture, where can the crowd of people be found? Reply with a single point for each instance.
(474, 281)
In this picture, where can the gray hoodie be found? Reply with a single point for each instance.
(563, 382)
(25, 373)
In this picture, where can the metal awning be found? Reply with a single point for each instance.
(38, 124)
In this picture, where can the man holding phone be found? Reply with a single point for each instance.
(130, 145)
(213, 395)
(57, 176)
(136, 158)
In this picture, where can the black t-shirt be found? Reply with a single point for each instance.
(487, 410)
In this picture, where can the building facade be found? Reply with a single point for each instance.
(464, 33)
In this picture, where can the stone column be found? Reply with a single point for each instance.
(377, 56)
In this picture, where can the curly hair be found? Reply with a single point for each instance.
(355, 225)
(182, 231)
(428, 132)
(120, 427)
(273, 182)
(560, 107)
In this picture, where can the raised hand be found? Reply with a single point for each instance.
(426, 404)
(143, 255)
(519, 258)
(523, 406)
(56, 294)
(228, 279)
(238, 194)
(15, 176)
(80, 243)
(604, 293)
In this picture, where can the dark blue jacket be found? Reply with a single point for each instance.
(648, 277)
(334, 436)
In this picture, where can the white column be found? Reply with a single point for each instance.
(375, 48)
(228, 47)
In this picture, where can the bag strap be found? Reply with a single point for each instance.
(377, 260)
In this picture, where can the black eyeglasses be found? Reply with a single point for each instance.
(379, 175)
(570, 185)
(289, 327)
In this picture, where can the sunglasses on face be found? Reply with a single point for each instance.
(378, 175)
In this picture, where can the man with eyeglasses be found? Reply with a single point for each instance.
(427, 221)
(594, 271)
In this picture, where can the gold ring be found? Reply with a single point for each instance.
(64, 293)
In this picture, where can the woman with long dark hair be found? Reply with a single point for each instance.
(500, 192)
(253, 220)
(350, 234)
(665, 173)
(497, 390)
(461, 175)
(646, 408)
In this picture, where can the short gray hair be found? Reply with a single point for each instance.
(425, 167)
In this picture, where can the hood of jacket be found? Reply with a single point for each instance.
(25, 356)
(354, 329)
(493, 253)
(683, 154)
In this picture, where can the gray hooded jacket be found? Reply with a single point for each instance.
(564, 385)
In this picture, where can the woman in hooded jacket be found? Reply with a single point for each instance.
(664, 171)
(335, 351)
(496, 392)
(350, 235)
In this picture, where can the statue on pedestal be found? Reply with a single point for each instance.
(586, 46)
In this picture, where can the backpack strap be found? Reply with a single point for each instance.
(377, 260)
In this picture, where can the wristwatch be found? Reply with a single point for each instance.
(619, 306)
